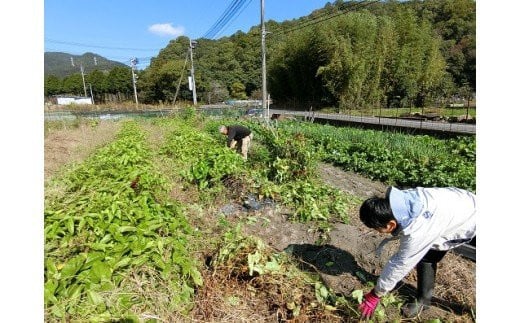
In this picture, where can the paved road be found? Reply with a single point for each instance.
(462, 128)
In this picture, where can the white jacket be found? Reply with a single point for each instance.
(429, 218)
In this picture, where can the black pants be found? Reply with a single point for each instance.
(434, 256)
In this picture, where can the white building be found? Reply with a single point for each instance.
(65, 100)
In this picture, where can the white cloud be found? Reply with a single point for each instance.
(166, 30)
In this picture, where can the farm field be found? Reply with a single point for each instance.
(155, 220)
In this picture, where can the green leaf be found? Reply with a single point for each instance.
(127, 228)
(98, 246)
(73, 292)
(140, 260)
(321, 292)
(132, 318)
(93, 257)
(160, 245)
(324, 291)
(252, 260)
(58, 310)
(388, 299)
(106, 238)
(72, 266)
(94, 297)
(159, 262)
(123, 262)
(196, 276)
(49, 289)
(357, 295)
(81, 224)
(100, 271)
(272, 266)
(50, 267)
(380, 313)
(70, 225)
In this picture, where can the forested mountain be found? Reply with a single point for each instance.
(60, 64)
(350, 55)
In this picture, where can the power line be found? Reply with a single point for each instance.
(119, 59)
(224, 19)
(98, 46)
(212, 30)
(325, 17)
(243, 8)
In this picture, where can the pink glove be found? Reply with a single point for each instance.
(369, 304)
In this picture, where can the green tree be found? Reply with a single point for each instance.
(416, 66)
(354, 70)
(119, 80)
(455, 22)
(247, 52)
(216, 93)
(293, 69)
(52, 85)
(73, 85)
(215, 61)
(169, 70)
(98, 80)
(391, 52)
(238, 91)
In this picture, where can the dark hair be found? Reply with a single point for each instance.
(375, 212)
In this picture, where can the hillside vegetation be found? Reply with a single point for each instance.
(348, 55)
(60, 64)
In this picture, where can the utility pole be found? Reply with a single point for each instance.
(83, 77)
(194, 91)
(91, 95)
(82, 74)
(133, 62)
(264, 79)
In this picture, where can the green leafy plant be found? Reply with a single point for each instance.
(110, 224)
(394, 158)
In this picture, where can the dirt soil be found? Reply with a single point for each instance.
(350, 247)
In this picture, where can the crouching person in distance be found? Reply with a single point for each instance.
(428, 222)
(238, 137)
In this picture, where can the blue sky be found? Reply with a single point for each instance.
(119, 30)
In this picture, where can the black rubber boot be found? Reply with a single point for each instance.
(425, 284)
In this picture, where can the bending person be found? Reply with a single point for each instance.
(428, 222)
(238, 137)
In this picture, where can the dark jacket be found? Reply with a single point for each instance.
(237, 132)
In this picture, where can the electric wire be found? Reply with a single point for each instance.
(322, 18)
(243, 8)
(98, 46)
(224, 19)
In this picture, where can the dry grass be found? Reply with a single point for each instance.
(231, 294)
